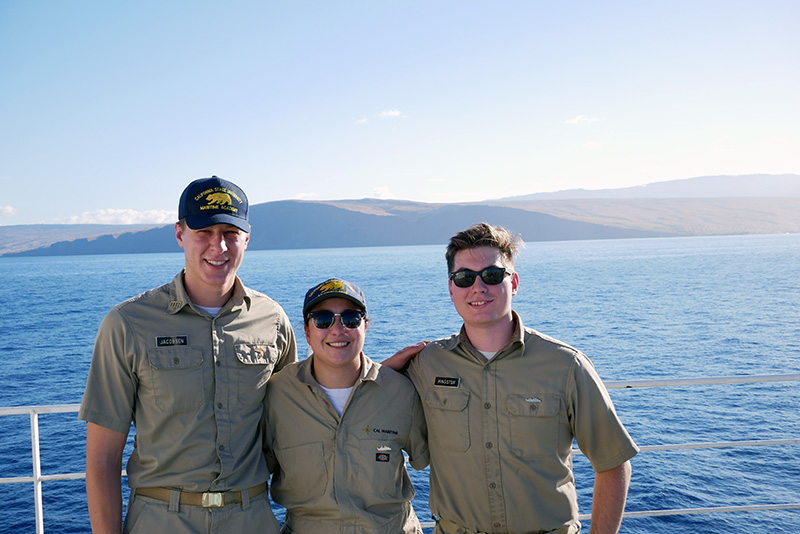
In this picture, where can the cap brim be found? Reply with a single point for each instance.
(307, 307)
(198, 222)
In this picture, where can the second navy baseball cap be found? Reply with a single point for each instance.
(334, 287)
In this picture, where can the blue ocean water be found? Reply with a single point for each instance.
(640, 308)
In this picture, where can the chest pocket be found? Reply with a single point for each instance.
(447, 415)
(533, 424)
(379, 468)
(303, 475)
(253, 369)
(178, 378)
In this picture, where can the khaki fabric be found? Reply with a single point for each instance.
(150, 516)
(193, 386)
(345, 475)
(500, 431)
(443, 526)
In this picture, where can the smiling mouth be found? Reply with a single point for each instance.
(339, 344)
(217, 263)
(479, 303)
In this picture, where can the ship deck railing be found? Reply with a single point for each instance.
(37, 477)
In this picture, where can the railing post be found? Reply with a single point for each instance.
(37, 472)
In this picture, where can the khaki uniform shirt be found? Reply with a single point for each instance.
(345, 474)
(193, 386)
(500, 431)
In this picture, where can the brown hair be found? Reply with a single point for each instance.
(484, 235)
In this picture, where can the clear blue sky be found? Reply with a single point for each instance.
(108, 109)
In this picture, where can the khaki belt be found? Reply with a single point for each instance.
(207, 500)
(448, 527)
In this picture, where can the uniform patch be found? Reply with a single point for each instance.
(381, 456)
(446, 382)
(172, 341)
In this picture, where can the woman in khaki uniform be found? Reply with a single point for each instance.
(337, 425)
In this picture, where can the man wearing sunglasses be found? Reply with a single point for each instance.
(337, 426)
(503, 404)
(187, 363)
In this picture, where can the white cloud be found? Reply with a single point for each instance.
(117, 216)
(580, 119)
(306, 196)
(592, 145)
(7, 211)
(382, 192)
(389, 114)
(362, 120)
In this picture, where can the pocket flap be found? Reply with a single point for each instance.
(256, 353)
(453, 399)
(533, 405)
(173, 358)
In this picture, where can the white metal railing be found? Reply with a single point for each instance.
(38, 477)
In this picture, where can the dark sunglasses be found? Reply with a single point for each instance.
(324, 319)
(491, 276)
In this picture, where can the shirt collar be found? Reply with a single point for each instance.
(369, 371)
(180, 299)
(518, 336)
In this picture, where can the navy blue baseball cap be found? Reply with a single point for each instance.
(333, 288)
(209, 201)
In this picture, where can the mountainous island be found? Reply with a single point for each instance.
(711, 205)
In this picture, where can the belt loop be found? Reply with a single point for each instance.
(175, 501)
(245, 499)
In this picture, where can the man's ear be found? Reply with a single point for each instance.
(179, 234)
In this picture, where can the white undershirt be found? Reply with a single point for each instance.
(488, 354)
(212, 311)
(338, 396)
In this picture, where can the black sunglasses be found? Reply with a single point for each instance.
(491, 276)
(323, 319)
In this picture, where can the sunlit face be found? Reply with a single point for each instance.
(212, 255)
(482, 305)
(337, 347)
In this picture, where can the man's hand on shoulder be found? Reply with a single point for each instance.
(400, 359)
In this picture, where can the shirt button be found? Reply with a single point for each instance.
(222, 447)
(176, 360)
(219, 405)
(219, 363)
(493, 486)
(487, 405)
(489, 445)
(497, 525)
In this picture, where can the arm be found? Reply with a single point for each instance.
(400, 359)
(608, 503)
(103, 478)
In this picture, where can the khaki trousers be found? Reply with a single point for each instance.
(149, 516)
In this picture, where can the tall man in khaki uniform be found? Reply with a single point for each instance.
(187, 363)
(503, 404)
(338, 424)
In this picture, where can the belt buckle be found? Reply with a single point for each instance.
(212, 500)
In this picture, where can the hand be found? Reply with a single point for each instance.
(400, 359)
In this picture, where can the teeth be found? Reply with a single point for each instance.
(216, 263)
(339, 344)
(479, 303)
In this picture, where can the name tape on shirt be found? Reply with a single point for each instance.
(447, 382)
(172, 341)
